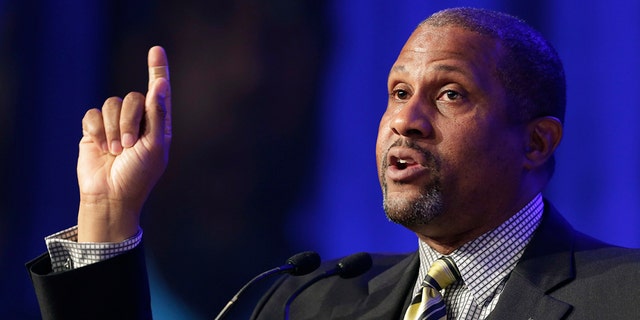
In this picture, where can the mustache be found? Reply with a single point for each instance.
(432, 160)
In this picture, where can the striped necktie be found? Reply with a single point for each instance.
(428, 304)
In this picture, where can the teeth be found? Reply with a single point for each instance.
(401, 164)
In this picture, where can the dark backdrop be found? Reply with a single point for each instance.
(276, 105)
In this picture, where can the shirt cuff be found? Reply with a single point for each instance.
(67, 253)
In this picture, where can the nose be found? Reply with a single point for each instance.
(412, 120)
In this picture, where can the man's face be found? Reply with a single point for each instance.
(449, 160)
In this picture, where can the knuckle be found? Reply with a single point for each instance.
(111, 104)
(134, 97)
(92, 122)
(91, 114)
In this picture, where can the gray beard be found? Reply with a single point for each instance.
(417, 211)
(420, 210)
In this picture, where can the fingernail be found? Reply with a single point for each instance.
(105, 147)
(128, 140)
(116, 147)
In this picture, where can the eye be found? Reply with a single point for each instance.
(450, 95)
(400, 94)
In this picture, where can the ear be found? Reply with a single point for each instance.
(544, 135)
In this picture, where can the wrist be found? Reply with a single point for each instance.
(106, 220)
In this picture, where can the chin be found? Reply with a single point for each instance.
(416, 210)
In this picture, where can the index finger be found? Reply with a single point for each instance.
(158, 99)
(158, 64)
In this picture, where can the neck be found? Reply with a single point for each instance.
(447, 235)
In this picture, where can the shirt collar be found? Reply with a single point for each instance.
(486, 261)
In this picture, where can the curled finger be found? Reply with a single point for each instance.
(93, 129)
(111, 118)
(131, 118)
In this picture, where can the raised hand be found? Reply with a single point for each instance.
(123, 152)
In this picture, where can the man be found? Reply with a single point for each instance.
(464, 150)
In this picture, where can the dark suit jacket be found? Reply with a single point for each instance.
(563, 274)
(114, 289)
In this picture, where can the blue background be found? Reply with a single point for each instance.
(315, 155)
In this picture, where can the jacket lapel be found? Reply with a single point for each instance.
(546, 265)
(388, 293)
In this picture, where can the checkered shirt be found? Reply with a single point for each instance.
(67, 253)
(485, 263)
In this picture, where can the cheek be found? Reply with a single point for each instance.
(483, 157)
(465, 150)
(384, 136)
(380, 151)
(383, 125)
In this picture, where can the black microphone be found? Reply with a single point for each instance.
(299, 264)
(348, 267)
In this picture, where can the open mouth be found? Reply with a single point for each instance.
(400, 163)
(406, 164)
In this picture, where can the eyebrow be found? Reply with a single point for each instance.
(448, 68)
(399, 68)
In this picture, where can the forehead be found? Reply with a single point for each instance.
(449, 48)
